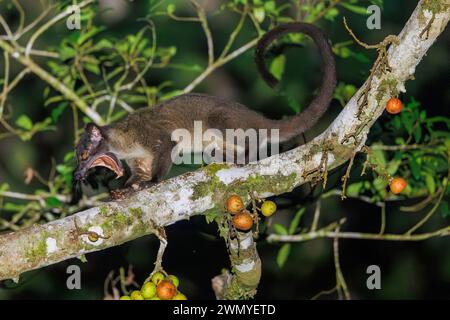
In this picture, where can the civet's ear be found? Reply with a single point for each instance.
(94, 131)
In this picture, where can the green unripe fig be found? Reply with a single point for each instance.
(136, 295)
(148, 290)
(157, 277)
(268, 208)
(179, 296)
(174, 280)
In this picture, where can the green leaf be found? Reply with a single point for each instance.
(349, 91)
(380, 184)
(399, 141)
(277, 66)
(417, 134)
(344, 92)
(58, 111)
(9, 206)
(295, 222)
(170, 95)
(260, 14)
(293, 104)
(53, 202)
(138, 43)
(103, 44)
(393, 165)
(92, 67)
(92, 32)
(445, 210)
(283, 254)
(354, 8)
(66, 53)
(73, 36)
(331, 14)
(46, 92)
(171, 9)
(354, 189)
(415, 168)
(69, 157)
(429, 181)
(24, 122)
(279, 229)
(408, 121)
(423, 115)
(26, 136)
(4, 186)
(63, 169)
(270, 6)
(344, 52)
(378, 156)
(43, 125)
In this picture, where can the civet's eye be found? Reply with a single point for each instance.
(84, 155)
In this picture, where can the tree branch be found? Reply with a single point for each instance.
(247, 270)
(204, 191)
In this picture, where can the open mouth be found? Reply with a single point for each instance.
(109, 161)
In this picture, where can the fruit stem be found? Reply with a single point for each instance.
(161, 234)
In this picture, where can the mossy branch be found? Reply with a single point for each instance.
(244, 279)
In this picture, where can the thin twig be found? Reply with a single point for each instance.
(209, 39)
(7, 30)
(34, 23)
(324, 292)
(422, 204)
(347, 176)
(315, 222)
(398, 148)
(5, 84)
(322, 233)
(217, 64)
(235, 33)
(383, 218)
(21, 15)
(32, 197)
(340, 280)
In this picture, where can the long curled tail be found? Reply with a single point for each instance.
(303, 121)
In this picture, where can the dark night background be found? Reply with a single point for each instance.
(410, 270)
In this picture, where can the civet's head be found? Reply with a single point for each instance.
(92, 151)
